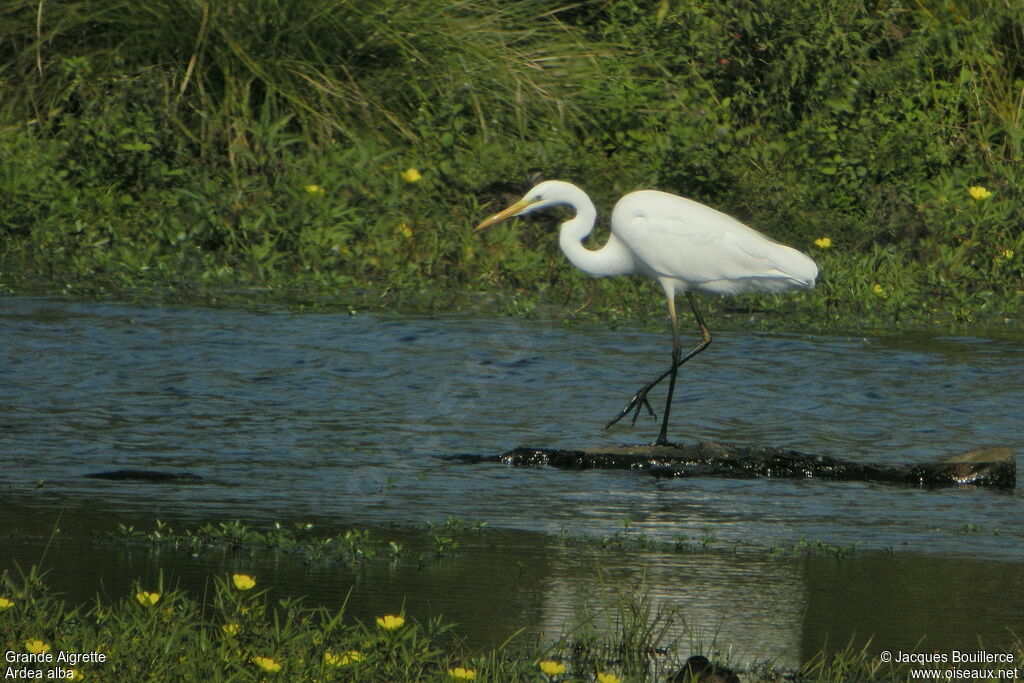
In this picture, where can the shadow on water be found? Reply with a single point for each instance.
(337, 420)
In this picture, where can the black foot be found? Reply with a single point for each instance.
(635, 404)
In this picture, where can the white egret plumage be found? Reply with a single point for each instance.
(684, 245)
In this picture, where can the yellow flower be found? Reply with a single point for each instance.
(314, 189)
(350, 657)
(608, 678)
(462, 673)
(6, 604)
(823, 242)
(878, 289)
(267, 664)
(1007, 254)
(404, 230)
(978, 192)
(230, 629)
(551, 667)
(243, 582)
(390, 622)
(411, 175)
(147, 599)
(36, 646)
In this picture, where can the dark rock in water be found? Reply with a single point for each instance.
(700, 669)
(989, 467)
(150, 476)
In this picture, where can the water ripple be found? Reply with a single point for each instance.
(286, 413)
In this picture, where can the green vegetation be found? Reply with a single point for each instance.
(183, 147)
(353, 548)
(357, 548)
(234, 629)
(236, 632)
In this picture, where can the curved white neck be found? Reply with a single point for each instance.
(611, 259)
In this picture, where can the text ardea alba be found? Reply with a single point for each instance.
(684, 245)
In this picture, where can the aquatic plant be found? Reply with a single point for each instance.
(243, 582)
(266, 664)
(391, 622)
(550, 667)
(146, 598)
(225, 633)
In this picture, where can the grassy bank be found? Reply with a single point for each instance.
(319, 150)
(229, 626)
(238, 632)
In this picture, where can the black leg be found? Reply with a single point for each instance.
(639, 399)
(676, 350)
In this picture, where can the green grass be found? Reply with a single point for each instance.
(218, 632)
(161, 633)
(190, 150)
(353, 548)
(239, 632)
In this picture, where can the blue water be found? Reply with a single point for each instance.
(346, 419)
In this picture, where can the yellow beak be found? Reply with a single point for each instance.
(516, 208)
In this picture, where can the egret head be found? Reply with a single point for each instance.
(546, 194)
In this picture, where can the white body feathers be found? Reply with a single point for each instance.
(683, 244)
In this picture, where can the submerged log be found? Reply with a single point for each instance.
(990, 467)
(151, 476)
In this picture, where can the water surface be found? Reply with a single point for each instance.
(345, 419)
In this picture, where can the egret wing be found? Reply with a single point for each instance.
(708, 250)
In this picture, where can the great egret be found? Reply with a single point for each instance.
(686, 246)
